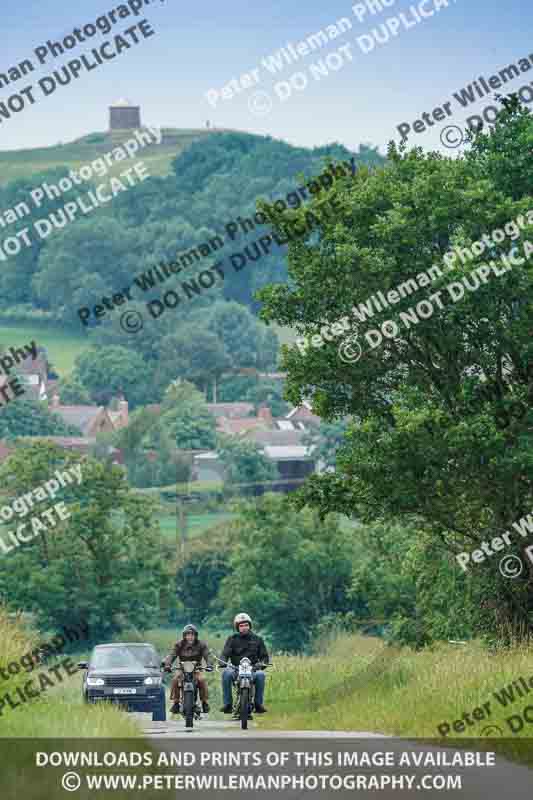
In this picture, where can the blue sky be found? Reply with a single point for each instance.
(210, 43)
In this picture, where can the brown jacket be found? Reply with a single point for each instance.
(196, 651)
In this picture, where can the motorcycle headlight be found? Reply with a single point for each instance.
(95, 682)
(153, 681)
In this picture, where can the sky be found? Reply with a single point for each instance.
(362, 99)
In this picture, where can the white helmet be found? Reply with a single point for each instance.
(241, 618)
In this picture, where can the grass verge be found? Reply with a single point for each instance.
(359, 684)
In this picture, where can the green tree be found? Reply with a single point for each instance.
(243, 461)
(101, 565)
(108, 371)
(445, 406)
(185, 416)
(242, 335)
(327, 439)
(270, 393)
(199, 578)
(74, 264)
(29, 417)
(287, 569)
(193, 354)
(72, 392)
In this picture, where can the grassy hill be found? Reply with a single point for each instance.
(24, 163)
(63, 344)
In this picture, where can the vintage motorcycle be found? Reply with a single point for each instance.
(244, 680)
(189, 691)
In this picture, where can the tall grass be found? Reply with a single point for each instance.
(360, 684)
(59, 710)
(57, 714)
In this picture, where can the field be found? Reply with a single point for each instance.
(63, 345)
(16, 164)
(357, 683)
(197, 524)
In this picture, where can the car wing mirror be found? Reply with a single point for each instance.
(83, 664)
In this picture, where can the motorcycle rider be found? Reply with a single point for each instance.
(189, 648)
(244, 644)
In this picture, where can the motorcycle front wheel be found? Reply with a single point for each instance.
(245, 706)
(188, 709)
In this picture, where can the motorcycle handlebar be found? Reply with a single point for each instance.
(196, 669)
(259, 665)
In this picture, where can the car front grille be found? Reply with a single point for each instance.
(123, 680)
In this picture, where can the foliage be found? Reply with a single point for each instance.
(162, 466)
(243, 461)
(194, 354)
(269, 393)
(72, 392)
(445, 431)
(219, 177)
(199, 577)
(108, 371)
(25, 416)
(287, 569)
(327, 440)
(185, 416)
(102, 565)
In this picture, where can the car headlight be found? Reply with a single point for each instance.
(153, 681)
(95, 682)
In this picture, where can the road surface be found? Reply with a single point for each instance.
(504, 779)
(211, 728)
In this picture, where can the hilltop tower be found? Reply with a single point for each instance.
(124, 116)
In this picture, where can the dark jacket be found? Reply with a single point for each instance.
(196, 651)
(250, 646)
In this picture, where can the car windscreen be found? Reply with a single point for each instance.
(124, 656)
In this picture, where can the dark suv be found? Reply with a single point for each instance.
(126, 674)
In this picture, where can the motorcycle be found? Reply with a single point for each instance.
(189, 691)
(244, 680)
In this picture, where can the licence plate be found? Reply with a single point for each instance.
(124, 691)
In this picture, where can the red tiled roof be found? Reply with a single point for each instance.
(233, 426)
(231, 410)
(80, 416)
(276, 437)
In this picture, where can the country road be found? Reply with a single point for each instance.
(216, 736)
(208, 728)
